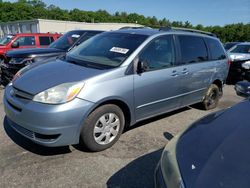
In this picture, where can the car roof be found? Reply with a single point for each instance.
(81, 30)
(28, 34)
(151, 32)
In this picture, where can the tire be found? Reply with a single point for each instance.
(102, 128)
(211, 98)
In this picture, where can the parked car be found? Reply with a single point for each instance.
(239, 55)
(17, 59)
(229, 45)
(112, 81)
(25, 40)
(212, 152)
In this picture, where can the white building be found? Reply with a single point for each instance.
(44, 26)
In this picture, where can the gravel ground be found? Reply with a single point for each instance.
(129, 163)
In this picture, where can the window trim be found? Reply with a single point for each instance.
(150, 42)
(180, 63)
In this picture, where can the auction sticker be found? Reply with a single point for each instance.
(75, 36)
(119, 50)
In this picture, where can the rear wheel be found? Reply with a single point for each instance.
(211, 98)
(102, 128)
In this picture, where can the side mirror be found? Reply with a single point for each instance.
(242, 89)
(141, 67)
(15, 44)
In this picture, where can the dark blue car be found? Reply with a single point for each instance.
(213, 152)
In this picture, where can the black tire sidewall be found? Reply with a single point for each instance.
(87, 137)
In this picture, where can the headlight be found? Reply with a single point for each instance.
(169, 165)
(18, 61)
(59, 94)
(246, 65)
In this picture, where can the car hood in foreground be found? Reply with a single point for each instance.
(32, 51)
(45, 76)
(214, 152)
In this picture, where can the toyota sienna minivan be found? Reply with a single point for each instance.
(111, 82)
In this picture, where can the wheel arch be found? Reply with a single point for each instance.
(219, 83)
(125, 107)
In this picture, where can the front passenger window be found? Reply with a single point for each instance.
(26, 41)
(159, 53)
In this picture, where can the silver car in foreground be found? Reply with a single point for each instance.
(111, 82)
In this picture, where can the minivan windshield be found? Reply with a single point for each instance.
(6, 39)
(67, 40)
(107, 49)
(241, 48)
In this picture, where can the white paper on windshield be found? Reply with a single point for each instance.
(75, 36)
(119, 50)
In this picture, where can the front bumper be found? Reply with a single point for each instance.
(159, 181)
(48, 125)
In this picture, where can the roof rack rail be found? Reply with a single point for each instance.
(140, 27)
(187, 30)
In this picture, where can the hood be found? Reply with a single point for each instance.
(238, 56)
(44, 76)
(32, 51)
(214, 152)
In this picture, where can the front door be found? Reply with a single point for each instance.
(157, 89)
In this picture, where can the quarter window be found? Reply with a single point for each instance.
(159, 53)
(44, 41)
(26, 41)
(193, 49)
(216, 49)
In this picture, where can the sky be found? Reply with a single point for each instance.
(208, 12)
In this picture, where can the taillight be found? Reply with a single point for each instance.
(229, 62)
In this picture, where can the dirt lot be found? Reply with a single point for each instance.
(129, 163)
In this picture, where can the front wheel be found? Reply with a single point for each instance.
(211, 98)
(102, 128)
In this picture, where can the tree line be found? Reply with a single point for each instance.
(35, 9)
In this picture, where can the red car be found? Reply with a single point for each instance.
(25, 40)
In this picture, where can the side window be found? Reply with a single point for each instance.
(26, 41)
(44, 41)
(160, 53)
(193, 49)
(86, 37)
(216, 49)
(51, 39)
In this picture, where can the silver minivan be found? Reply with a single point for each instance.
(111, 82)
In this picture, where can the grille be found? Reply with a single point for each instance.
(15, 107)
(22, 94)
(33, 135)
(23, 131)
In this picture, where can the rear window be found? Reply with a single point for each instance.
(193, 49)
(216, 49)
(241, 48)
(45, 41)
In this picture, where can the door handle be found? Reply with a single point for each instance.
(174, 73)
(184, 71)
